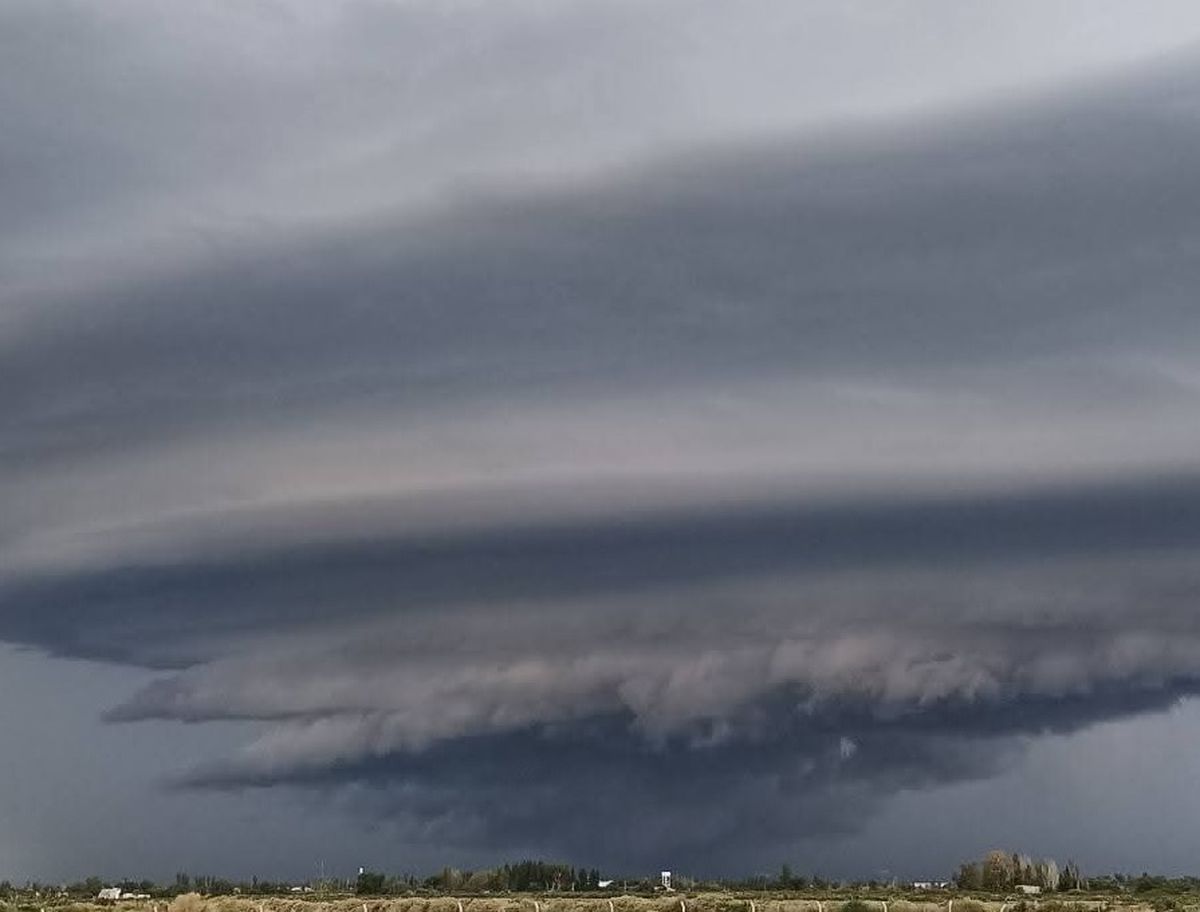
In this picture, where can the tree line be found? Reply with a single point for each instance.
(997, 872)
(1000, 872)
(523, 876)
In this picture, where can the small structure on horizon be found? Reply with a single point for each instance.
(109, 894)
(1028, 889)
(666, 880)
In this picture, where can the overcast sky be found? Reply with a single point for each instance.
(643, 434)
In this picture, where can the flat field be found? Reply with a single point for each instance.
(874, 901)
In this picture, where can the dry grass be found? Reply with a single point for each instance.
(715, 901)
(188, 902)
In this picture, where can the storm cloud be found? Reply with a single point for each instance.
(502, 407)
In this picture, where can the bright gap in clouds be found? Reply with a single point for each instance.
(224, 126)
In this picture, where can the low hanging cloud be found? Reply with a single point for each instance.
(707, 722)
(729, 674)
(745, 486)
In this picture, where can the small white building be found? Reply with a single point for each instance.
(605, 884)
(109, 894)
(666, 880)
(1028, 889)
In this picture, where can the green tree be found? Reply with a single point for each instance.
(370, 883)
(997, 871)
(970, 876)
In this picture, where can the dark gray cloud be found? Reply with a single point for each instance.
(594, 791)
(727, 674)
(597, 790)
(686, 455)
(148, 612)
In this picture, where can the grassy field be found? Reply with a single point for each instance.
(673, 902)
